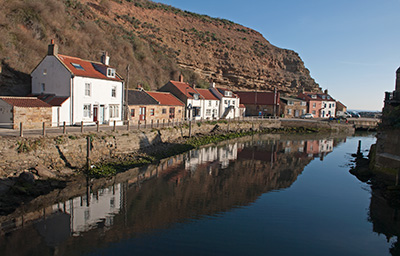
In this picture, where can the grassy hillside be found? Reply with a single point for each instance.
(158, 41)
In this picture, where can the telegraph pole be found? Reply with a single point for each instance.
(126, 94)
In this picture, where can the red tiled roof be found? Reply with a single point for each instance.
(25, 102)
(308, 96)
(89, 69)
(207, 94)
(51, 99)
(166, 98)
(242, 105)
(185, 88)
(257, 98)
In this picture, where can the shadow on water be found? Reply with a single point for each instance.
(202, 182)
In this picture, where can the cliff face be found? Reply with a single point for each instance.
(158, 41)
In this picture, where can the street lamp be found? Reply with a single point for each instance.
(189, 108)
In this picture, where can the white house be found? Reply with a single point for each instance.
(210, 104)
(229, 106)
(93, 91)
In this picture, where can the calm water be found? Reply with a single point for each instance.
(263, 195)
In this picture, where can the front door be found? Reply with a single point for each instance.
(101, 114)
(142, 113)
(95, 113)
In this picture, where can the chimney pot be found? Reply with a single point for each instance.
(181, 78)
(105, 59)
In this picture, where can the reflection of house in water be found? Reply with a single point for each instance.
(90, 212)
(222, 154)
(318, 148)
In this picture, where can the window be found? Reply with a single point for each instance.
(208, 112)
(196, 96)
(152, 111)
(333, 105)
(114, 92)
(228, 93)
(314, 105)
(87, 89)
(303, 103)
(43, 86)
(132, 112)
(44, 72)
(289, 111)
(233, 102)
(171, 113)
(209, 103)
(216, 103)
(164, 111)
(313, 112)
(214, 112)
(111, 72)
(114, 111)
(324, 105)
(290, 103)
(77, 66)
(226, 102)
(313, 96)
(86, 110)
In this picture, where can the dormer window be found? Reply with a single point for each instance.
(110, 72)
(195, 96)
(228, 93)
(77, 66)
(323, 97)
(313, 96)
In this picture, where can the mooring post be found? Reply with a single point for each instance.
(64, 127)
(359, 147)
(21, 131)
(115, 126)
(44, 129)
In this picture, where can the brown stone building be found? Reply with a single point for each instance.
(260, 103)
(30, 111)
(147, 106)
(292, 107)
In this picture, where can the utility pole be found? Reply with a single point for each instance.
(274, 102)
(126, 94)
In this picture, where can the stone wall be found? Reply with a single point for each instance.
(32, 118)
(388, 149)
(69, 151)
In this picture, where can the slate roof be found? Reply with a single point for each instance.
(207, 94)
(319, 96)
(89, 68)
(222, 92)
(286, 99)
(26, 102)
(257, 98)
(166, 98)
(139, 97)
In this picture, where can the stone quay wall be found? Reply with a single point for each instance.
(60, 154)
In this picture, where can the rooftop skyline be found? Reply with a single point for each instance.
(350, 47)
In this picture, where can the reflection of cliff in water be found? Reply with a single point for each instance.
(202, 182)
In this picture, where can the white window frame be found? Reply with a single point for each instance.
(114, 92)
(114, 110)
(88, 89)
(87, 110)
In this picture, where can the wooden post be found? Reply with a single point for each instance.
(138, 124)
(127, 125)
(152, 123)
(359, 148)
(64, 127)
(190, 128)
(163, 123)
(115, 126)
(145, 123)
(158, 123)
(97, 125)
(81, 126)
(21, 131)
(44, 129)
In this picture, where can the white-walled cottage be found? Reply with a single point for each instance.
(229, 106)
(93, 91)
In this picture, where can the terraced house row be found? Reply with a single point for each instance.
(71, 90)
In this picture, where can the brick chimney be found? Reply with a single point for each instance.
(212, 85)
(105, 59)
(181, 78)
(326, 91)
(140, 87)
(53, 48)
(397, 88)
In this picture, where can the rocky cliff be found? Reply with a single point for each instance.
(157, 41)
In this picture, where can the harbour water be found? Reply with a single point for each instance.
(260, 195)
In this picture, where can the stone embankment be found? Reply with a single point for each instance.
(59, 156)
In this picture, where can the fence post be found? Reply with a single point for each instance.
(64, 127)
(115, 126)
(88, 153)
(81, 126)
(152, 123)
(138, 124)
(44, 129)
(163, 123)
(21, 131)
(158, 123)
(97, 125)
(145, 123)
(127, 125)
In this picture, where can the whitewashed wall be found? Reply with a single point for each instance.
(5, 113)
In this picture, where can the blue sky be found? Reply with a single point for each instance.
(351, 47)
